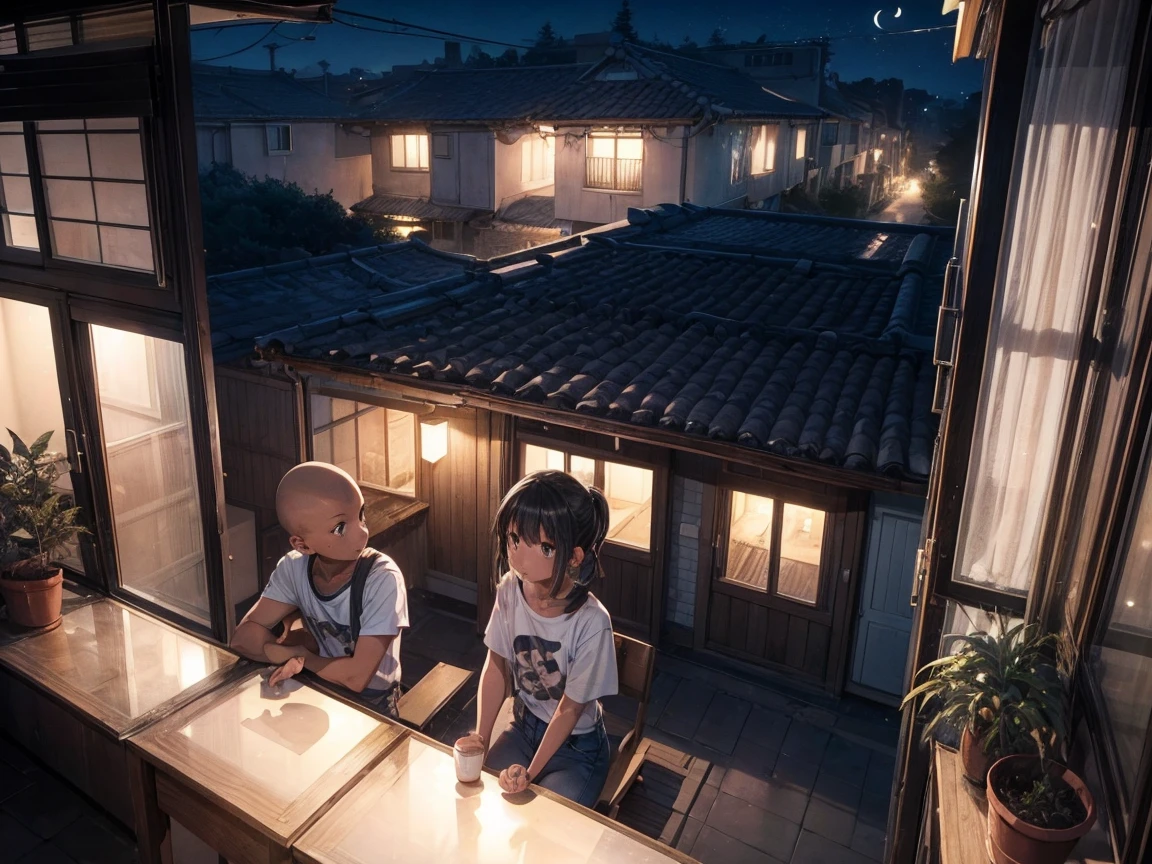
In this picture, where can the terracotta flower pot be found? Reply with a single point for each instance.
(34, 602)
(1011, 840)
(975, 761)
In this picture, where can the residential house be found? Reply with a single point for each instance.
(583, 142)
(268, 124)
(849, 134)
(753, 392)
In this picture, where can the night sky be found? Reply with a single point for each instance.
(859, 49)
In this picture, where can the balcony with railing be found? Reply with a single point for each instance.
(607, 172)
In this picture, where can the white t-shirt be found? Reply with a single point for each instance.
(328, 616)
(572, 653)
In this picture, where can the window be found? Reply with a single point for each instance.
(536, 158)
(774, 546)
(764, 150)
(801, 142)
(144, 417)
(769, 58)
(441, 146)
(90, 27)
(94, 185)
(410, 152)
(16, 207)
(279, 139)
(615, 161)
(628, 489)
(854, 133)
(828, 133)
(375, 445)
(1122, 659)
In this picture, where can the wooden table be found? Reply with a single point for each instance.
(247, 770)
(73, 694)
(410, 809)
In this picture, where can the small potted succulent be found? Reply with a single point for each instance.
(36, 521)
(993, 693)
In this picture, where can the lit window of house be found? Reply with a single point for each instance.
(764, 149)
(801, 142)
(774, 547)
(279, 139)
(375, 445)
(97, 198)
(537, 157)
(628, 489)
(615, 161)
(410, 152)
(16, 207)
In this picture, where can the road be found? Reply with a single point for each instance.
(909, 207)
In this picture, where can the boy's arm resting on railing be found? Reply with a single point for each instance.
(254, 633)
(355, 672)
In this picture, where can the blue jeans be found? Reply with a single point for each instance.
(577, 770)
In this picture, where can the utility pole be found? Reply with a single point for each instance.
(271, 49)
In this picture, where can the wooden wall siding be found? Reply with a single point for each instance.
(458, 489)
(762, 635)
(626, 591)
(494, 475)
(261, 438)
(260, 434)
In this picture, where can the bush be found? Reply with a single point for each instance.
(849, 202)
(252, 223)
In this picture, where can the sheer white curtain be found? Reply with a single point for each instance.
(1039, 304)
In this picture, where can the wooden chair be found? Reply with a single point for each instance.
(635, 661)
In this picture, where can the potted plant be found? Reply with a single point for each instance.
(35, 522)
(993, 693)
(1037, 809)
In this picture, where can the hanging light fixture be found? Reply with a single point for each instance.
(434, 440)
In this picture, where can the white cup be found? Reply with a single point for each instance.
(469, 764)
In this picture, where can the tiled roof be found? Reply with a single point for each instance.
(475, 95)
(248, 303)
(842, 241)
(662, 86)
(414, 208)
(226, 93)
(837, 104)
(535, 211)
(808, 360)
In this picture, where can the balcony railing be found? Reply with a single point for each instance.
(606, 172)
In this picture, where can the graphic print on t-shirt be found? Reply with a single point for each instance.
(342, 633)
(537, 672)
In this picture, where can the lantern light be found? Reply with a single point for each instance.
(434, 440)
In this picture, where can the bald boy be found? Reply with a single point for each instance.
(322, 509)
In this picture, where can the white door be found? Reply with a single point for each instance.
(884, 624)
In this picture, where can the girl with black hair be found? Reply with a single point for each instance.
(552, 638)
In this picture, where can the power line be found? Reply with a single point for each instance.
(267, 33)
(395, 23)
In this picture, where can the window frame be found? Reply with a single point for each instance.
(615, 137)
(569, 449)
(825, 127)
(372, 404)
(273, 130)
(821, 610)
(800, 148)
(406, 168)
(438, 138)
(759, 159)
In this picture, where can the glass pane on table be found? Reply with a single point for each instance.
(411, 809)
(114, 663)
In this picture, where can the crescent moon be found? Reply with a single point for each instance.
(899, 12)
(876, 19)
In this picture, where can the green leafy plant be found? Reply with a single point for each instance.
(36, 521)
(1003, 686)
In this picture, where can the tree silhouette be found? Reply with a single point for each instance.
(716, 39)
(623, 23)
(252, 223)
(547, 38)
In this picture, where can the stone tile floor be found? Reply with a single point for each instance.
(795, 777)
